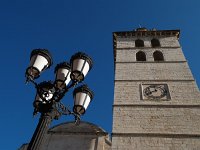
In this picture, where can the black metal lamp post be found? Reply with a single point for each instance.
(49, 94)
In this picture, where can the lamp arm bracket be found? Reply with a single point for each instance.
(73, 84)
(32, 81)
(77, 119)
(62, 109)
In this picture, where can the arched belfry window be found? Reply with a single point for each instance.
(139, 43)
(140, 56)
(158, 56)
(155, 43)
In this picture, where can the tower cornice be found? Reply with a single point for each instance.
(143, 32)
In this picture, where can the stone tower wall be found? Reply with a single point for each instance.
(138, 123)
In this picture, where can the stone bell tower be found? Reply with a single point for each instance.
(156, 99)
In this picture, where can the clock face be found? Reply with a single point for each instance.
(155, 92)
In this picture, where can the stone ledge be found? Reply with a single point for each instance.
(156, 135)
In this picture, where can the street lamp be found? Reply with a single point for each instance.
(82, 97)
(49, 94)
(39, 61)
(81, 64)
(62, 71)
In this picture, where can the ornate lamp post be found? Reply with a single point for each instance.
(49, 94)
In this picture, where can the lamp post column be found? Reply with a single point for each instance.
(42, 128)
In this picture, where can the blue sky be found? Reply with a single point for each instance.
(65, 27)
